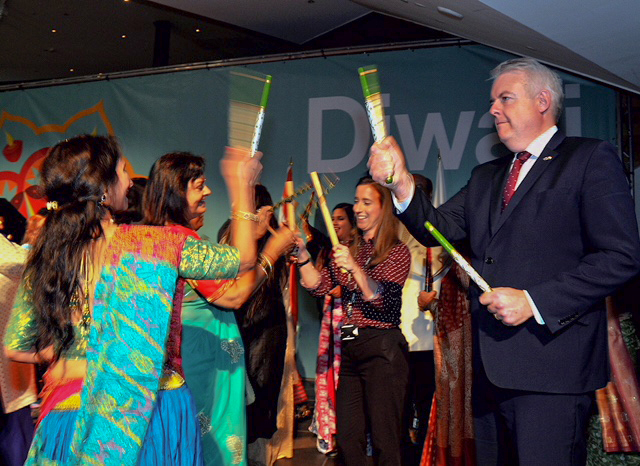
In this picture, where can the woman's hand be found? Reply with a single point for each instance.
(343, 258)
(265, 214)
(240, 173)
(280, 242)
(300, 251)
(239, 169)
(426, 300)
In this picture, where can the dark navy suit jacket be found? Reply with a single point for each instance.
(569, 237)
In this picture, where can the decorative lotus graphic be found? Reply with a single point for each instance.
(21, 186)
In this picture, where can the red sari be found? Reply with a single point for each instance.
(450, 439)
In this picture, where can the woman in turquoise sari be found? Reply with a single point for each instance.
(97, 303)
(212, 349)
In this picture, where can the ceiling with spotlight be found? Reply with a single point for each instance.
(52, 40)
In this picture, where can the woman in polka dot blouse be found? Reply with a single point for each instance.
(373, 375)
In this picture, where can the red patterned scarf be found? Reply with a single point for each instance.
(327, 373)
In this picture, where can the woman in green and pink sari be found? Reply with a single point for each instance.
(210, 344)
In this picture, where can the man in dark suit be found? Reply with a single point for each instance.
(552, 229)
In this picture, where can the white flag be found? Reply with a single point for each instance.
(439, 190)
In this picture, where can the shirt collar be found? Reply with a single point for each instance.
(536, 146)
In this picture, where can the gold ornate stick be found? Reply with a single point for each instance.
(326, 214)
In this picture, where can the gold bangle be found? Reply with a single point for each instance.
(266, 257)
(266, 264)
(266, 274)
(242, 215)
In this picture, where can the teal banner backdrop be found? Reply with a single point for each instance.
(436, 101)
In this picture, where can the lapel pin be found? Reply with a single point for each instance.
(548, 157)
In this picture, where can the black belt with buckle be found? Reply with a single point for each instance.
(348, 332)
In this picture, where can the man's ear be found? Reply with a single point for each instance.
(544, 101)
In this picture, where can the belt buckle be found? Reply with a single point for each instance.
(348, 332)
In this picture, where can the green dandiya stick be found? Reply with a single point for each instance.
(373, 102)
(461, 261)
(249, 94)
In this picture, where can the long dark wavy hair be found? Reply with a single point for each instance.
(165, 195)
(75, 174)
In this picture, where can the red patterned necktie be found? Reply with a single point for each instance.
(510, 187)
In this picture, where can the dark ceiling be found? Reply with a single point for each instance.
(70, 38)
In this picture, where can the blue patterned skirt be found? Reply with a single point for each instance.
(172, 439)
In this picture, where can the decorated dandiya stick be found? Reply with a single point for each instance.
(304, 218)
(428, 279)
(290, 207)
(461, 261)
(326, 214)
(328, 185)
(298, 192)
(249, 94)
(373, 103)
(290, 216)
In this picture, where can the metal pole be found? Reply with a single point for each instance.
(239, 62)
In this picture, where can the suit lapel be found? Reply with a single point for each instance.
(497, 186)
(548, 154)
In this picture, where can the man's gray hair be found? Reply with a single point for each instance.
(539, 78)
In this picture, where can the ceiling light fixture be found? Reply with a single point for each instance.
(198, 29)
(124, 36)
(54, 30)
(450, 13)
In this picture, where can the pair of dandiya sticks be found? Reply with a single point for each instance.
(249, 95)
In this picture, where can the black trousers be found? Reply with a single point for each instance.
(16, 433)
(422, 385)
(371, 395)
(515, 427)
